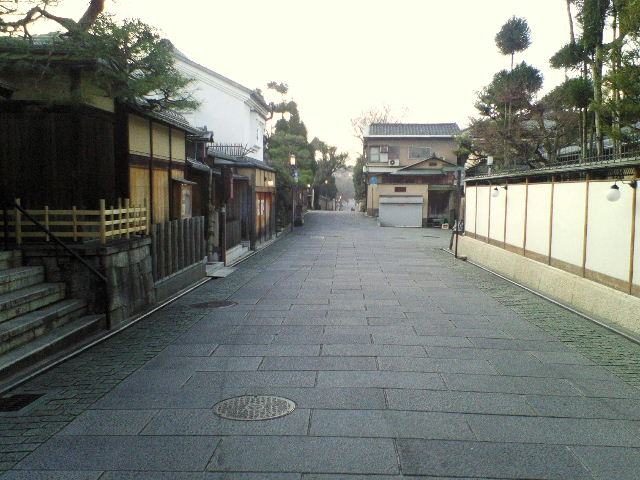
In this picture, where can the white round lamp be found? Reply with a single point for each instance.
(613, 194)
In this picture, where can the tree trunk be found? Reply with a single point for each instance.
(572, 36)
(597, 98)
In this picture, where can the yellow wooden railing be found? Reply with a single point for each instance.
(121, 221)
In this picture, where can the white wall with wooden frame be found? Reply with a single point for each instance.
(568, 225)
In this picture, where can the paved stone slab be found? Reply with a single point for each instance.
(438, 341)
(414, 364)
(213, 380)
(267, 350)
(122, 453)
(319, 363)
(381, 380)
(204, 364)
(109, 422)
(374, 350)
(305, 454)
(49, 475)
(505, 384)
(198, 476)
(610, 462)
(494, 460)
(205, 422)
(388, 423)
(462, 402)
(563, 431)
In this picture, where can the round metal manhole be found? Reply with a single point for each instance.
(254, 407)
(216, 304)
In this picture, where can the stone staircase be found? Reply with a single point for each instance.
(36, 320)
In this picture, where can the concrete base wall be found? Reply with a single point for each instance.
(171, 285)
(596, 300)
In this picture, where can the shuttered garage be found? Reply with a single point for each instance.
(397, 211)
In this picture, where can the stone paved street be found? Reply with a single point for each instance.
(402, 362)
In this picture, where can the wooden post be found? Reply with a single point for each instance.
(526, 210)
(553, 188)
(74, 222)
(475, 220)
(46, 221)
(489, 216)
(506, 214)
(634, 212)
(126, 218)
(120, 217)
(18, 224)
(146, 214)
(586, 226)
(103, 222)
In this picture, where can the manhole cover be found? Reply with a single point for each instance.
(216, 304)
(13, 403)
(254, 407)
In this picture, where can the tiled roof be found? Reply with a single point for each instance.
(414, 129)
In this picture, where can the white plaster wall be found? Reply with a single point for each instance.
(482, 215)
(568, 222)
(538, 209)
(497, 215)
(224, 109)
(515, 215)
(609, 231)
(636, 262)
(470, 209)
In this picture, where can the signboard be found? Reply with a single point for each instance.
(373, 180)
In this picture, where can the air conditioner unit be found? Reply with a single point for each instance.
(384, 148)
(394, 163)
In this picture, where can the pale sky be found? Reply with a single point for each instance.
(341, 57)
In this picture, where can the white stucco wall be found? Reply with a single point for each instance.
(609, 231)
(515, 215)
(470, 210)
(226, 108)
(568, 222)
(538, 210)
(496, 224)
(482, 214)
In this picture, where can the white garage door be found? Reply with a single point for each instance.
(400, 211)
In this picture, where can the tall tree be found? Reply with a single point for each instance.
(514, 36)
(593, 19)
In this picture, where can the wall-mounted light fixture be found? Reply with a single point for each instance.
(496, 192)
(269, 183)
(613, 194)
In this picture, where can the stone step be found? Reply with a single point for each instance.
(13, 279)
(10, 259)
(28, 299)
(36, 353)
(25, 328)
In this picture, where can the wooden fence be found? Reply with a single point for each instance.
(176, 245)
(77, 225)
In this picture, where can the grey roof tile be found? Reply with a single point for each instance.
(414, 129)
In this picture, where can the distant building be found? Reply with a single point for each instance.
(410, 171)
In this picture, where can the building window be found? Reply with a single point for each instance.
(374, 154)
(420, 153)
(400, 189)
(433, 164)
(394, 153)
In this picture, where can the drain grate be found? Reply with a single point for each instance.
(13, 403)
(254, 407)
(216, 304)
